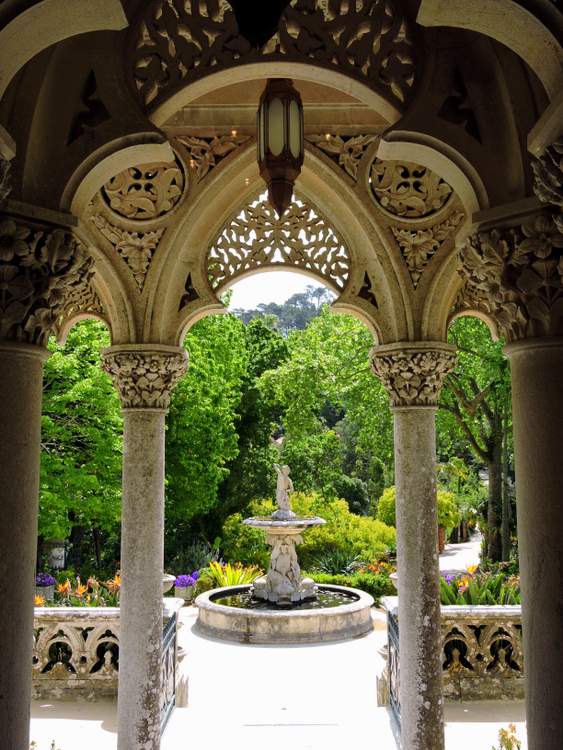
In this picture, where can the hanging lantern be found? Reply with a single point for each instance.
(280, 140)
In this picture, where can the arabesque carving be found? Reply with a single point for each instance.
(176, 42)
(145, 378)
(145, 192)
(45, 275)
(136, 248)
(346, 150)
(418, 246)
(408, 190)
(413, 376)
(515, 276)
(548, 184)
(257, 238)
(205, 152)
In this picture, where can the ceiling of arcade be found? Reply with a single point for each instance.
(147, 136)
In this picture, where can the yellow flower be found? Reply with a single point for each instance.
(39, 601)
(80, 589)
(64, 588)
(115, 583)
(471, 569)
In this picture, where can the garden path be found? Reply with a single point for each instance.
(457, 557)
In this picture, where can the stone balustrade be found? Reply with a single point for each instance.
(76, 653)
(482, 655)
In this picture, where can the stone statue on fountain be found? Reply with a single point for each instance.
(283, 488)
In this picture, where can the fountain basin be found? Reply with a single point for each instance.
(308, 622)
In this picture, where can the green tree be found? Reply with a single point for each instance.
(475, 407)
(81, 445)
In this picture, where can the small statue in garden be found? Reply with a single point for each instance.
(283, 488)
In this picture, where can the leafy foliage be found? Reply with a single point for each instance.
(448, 514)
(376, 584)
(226, 574)
(482, 588)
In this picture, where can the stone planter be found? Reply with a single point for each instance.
(184, 592)
(47, 592)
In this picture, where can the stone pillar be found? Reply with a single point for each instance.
(514, 275)
(41, 265)
(21, 379)
(145, 376)
(537, 395)
(414, 374)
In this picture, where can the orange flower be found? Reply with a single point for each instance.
(64, 588)
(39, 601)
(80, 589)
(115, 583)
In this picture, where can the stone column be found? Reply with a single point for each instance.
(514, 275)
(145, 376)
(413, 374)
(40, 266)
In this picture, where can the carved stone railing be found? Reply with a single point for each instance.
(76, 654)
(482, 655)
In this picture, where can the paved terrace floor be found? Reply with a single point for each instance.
(302, 697)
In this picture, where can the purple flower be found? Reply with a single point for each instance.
(195, 575)
(44, 579)
(184, 581)
(449, 579)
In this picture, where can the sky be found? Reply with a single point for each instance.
(273, 286)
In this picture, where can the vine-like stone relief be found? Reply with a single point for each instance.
(257, 238)
(515, 276)
(408, 190)
(178, 41)
(45, 275)
(145, 378)
(413, 377)
(145, 192)
(136, 248)
(419, 245)
(346, 150)
(205, 152)
(548, 185)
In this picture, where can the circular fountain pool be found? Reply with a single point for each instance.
(232, 614)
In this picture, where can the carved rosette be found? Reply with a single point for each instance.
(413, 374)
(145, 192)
(548, 185)
(145, 377)
(514, 276)
(408, 190)
(45, 276)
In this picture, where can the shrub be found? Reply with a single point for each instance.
(352, 535)
(376, 584)
(480, 588)
(448, 514)
(336, 561)
(218, 575)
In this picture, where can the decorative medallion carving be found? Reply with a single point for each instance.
(206, 152)
(515, 276)
(367, 290)
(136, 248)
(413, 376)
(145, 378)
(178, 41)
(346, 150)
(45, 274)
(257, 238)
(418, 246)
(145, 192)
(548, 183)
(408, 190)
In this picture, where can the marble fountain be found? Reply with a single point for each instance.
(283, 606)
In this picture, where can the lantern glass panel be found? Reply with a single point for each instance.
(294, 129)
(276, 127)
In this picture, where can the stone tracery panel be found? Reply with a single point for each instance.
(177, 41)
(145, 192)
(346, 150)
(256, 238)
(205, 152)
(408, 190)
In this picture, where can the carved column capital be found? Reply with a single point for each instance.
(44, 270)
(145, 375)
(548, 182)
(413, 373)
(514, 276)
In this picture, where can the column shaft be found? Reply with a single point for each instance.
(21, 373)
(142, 549)
(537, 397)
(418, 570)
